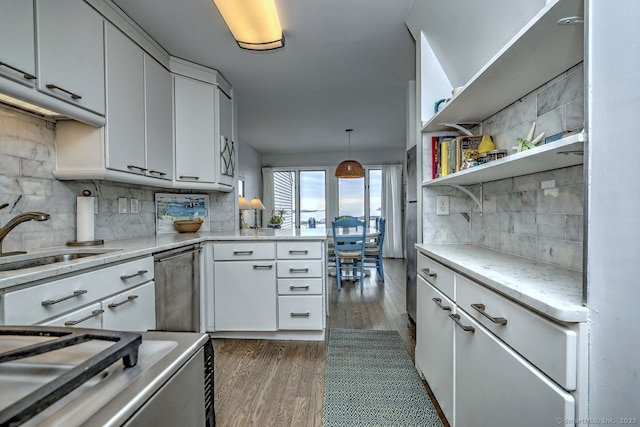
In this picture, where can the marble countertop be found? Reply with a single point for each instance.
(546, 288)
(121, 250)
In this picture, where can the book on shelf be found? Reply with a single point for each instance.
(440, 151)
(467, 150)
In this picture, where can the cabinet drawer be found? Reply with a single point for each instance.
(300, 286)
(549, 346)
(300, 268)
(37, 303)
(436, 274)
(134, 310)
(299, 250)
(300, 312)
(243, 251)
(87, 317)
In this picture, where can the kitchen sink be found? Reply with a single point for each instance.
(19, 262)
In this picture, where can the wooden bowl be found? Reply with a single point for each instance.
(186, 226)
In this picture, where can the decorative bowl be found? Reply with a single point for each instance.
(188, 226)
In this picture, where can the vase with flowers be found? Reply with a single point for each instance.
(277, 218)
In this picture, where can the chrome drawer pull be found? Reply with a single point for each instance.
(195, 178)
(300, 314)
(301, 288)
(71, 94)
(426, 271)
(25, 75)
(438, 302)
(141, 169)
(497, 320)
(139, 273)
(456, 318)
(157, 173)
(299, 270)
(55, 301)
(118, 304)
(267, 267)
(94, 313)
(301, 251)
(243, 252)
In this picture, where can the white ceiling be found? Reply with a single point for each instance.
(346, 64)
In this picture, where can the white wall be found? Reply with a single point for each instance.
(373, 157)
(613, 235)
(250, 170)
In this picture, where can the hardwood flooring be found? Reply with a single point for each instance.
(281, 383)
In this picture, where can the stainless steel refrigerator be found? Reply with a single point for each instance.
(411, 231)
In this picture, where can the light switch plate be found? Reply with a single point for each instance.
(442, 205)
(122, 205)
(134, 206)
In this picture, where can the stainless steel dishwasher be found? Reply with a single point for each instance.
(177, 283)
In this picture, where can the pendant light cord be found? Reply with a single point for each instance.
(349, 150)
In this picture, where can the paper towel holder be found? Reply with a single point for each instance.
(86, 193)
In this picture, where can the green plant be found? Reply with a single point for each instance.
(277, 217)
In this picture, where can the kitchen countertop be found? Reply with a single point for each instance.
(546, 288)
(121, 250)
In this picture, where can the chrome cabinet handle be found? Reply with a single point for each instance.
(299, 288)
(299, 270)
(300, 314)
(118, 304)
(130, 276)
(263, 267)
(426, 271)
(18, 70)
(71, 94)
(243, 252)
(456, 319)
(481, 309)
(301, 251)
(55, 301)
(94, 313)
(143, 170)
(438, 302)
(189, 177)
(157, 173)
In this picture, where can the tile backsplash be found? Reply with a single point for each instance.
(27, 161)
(519, 216)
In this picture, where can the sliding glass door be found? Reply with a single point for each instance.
(361, 197)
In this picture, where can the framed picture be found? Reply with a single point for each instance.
(171, 207)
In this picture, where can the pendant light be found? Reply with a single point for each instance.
(349, 168)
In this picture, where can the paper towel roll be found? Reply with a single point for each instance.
(85, 219)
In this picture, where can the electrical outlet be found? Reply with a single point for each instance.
(548, 184)
(442, 205)
(134, 206)
(122, 205)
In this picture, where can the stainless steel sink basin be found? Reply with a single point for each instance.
(19, 262)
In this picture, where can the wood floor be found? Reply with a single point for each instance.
(281, 383)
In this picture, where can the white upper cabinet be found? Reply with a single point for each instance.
(195, 130)
(17, 42)
(125, 103)
(227, 147)
(158, 119)
(71, 53)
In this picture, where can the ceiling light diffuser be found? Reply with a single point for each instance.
(253, 23)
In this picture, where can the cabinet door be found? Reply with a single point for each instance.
(133, 310)
(88, 317)
(434, 343)
(227, 148)
(17, 41)
(245, 295)
(158, 119)
(196, 159)
(496, 387)
(71, 52)
(125, 103)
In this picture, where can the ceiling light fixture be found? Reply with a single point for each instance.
(253, 23)
(349, 168)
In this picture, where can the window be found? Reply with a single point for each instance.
(312, 199)
(357, 196)
(375, 196)
(284, 196)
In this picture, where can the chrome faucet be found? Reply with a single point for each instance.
(17, 220)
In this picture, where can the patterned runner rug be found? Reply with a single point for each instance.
(370, 380)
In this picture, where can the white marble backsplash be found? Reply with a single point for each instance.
(27, 161)
(519, 217)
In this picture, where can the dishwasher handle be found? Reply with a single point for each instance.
(173, 255)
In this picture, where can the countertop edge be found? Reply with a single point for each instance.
(569, 311)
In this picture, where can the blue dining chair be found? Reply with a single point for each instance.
(349, 251)
(373, 252)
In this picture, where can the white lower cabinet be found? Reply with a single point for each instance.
(434, 343)
(245, 295)
(133, 310)
(495, 386)
(89, 317)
